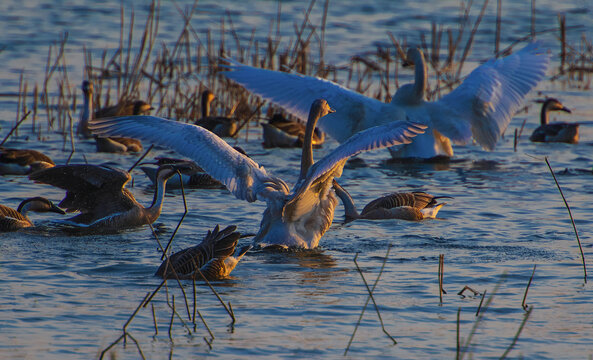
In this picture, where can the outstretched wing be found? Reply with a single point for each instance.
(330, 166)
(240, 174)
(490, 96)
(295, 93)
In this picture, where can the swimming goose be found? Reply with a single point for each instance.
(556, 131)
(481, 107)
(291, 219)
(12, 220)
(110, 145)
(98, 192)
(220, 125)
(412, 206)
(22, 161)
(213, 257)
(281, 132)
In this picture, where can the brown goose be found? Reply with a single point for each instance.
(98, 192)
(281, 132)
(556, 131)
(113, 144)
(220, 125)
(12, 220)
(213, 257)
(412, 206)
(22, 161)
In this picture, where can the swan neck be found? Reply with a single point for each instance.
(420, 80)
(307, 154)
(544, 115)
(206, 100)
(86, 114)
(155, 208)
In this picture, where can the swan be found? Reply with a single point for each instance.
(22, 161)
(98, 192)
(109, 145)
(213, 257)
(412, 206)
(281, 132)
(12, 220)
(291, 219)
(481, 107)
(556, 131)
(220, 125)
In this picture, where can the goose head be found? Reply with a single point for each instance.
(165, 172)
(207, 97)
(551, 104)
(38, 204)
(141, 107)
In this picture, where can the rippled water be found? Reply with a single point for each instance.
(69, 296)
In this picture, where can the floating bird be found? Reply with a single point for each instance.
(12, 220)
(22, 161)
(98, 192)
(412, 206)
(291, 219)
(220, 125)
(281, 132)
(213, 257)
(556, 131)
(110, 145)
(481, 107)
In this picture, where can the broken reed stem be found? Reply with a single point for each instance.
(156, 328)
(367, 300)
(229, 311)
(180, 220)
(525, 318)
(481, 302)
(172, 317)
(15, 127)
(141, 158)
(137, 345)
(479, 318)
(523, 305)
(135, 312)
(571, 218)
(179, 316)
(440, 274)
(515, 141)
(457, 348)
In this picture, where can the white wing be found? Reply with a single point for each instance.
(394, 133)
(240, 174)
(491, 95)
(295, 93)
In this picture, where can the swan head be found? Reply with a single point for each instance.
(413, 56)
(87, 88)
(320, 108)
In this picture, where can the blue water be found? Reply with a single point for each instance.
(69, 296)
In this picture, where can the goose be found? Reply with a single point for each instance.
(481, 107)
(413, 206)
(192, 175)
(281, 132)
(295, 219)
(220, 125)
(98, 193)
(213, 257)
(556, 131)
(12, 220)
(110, 145)
(22, 161)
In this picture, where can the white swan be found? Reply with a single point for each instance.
(481, 107)
(291, 219)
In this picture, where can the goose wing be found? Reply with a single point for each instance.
(295, 93)
(8, 212)
(240, 174)
(490, 96)
(305, 194)
(88, 187)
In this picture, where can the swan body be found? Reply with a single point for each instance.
(481, 107)
(12, 220)
(281, 132)
(291, 219)
(22, 161)
(413, 206)
(213, 257)
(220, 125)
(557, 131)
(98, 193)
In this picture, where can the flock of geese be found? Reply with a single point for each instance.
(480, 108)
